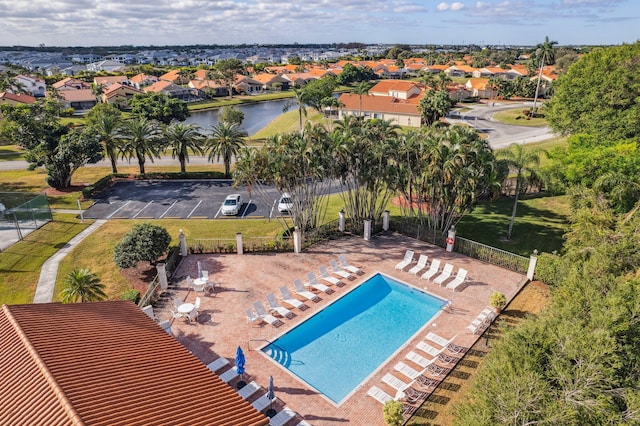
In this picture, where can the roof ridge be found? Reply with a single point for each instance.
(59, 393)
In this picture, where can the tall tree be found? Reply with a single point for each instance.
(106, 120)
(160, 107)
(225, 141)
(435, 104)
(77, 148)
(145, 242)
(225, 72)
(82, 286)
(300, 96)
(182, 138)
(544, 54)
(140, 139)
(524, 162)
(362, 89)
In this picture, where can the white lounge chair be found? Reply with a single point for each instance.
(229, 375)
(301, 291)
(415, 376)
(404, 390)
(303, 423)
(445, 275)
(382, 397)
(345, 265)
(218, 364)
(262, 313)
(248, 390)
(433, 269)
(325, 276)
(441, 341)
(460, 277)
(428, 349)
(422, 263)
(336, 269)
(290, 300)
(428, 365)
(313, 282)
(408, 258)
(282, 417)
(274, 306)
(261, 403)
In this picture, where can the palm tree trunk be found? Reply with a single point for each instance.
(535, 98)
(227, 167)
(141, 163)
(515, 207)
(183, 166)
(114, 164)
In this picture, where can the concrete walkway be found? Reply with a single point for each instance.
(49, 271)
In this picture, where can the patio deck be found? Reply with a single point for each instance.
(241, 280)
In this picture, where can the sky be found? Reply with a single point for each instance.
(182, 22)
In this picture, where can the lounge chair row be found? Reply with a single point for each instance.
(433, 272)
(482, 321)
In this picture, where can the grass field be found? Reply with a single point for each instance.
(516, 117)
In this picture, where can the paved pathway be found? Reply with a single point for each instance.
(49, 271)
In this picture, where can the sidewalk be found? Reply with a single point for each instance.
(49, 271)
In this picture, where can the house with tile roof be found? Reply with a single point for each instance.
(34, 86)
(398, 111)
(480, 88)
(299, 79)
(400, 89)
(108, 80)
(490, 72)
(106, 363)
(71, 83)
(80, 100)
(175, 76)
(208, 88)
(171, 89)
(16, 98)
(272, 81)
(119, 94)
(142, 80)
(246, 84)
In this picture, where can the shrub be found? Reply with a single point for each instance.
(498, 300)
(132, 295)
(144, 242)
(393, 413)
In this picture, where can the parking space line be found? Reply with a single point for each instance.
(194, 209)
(141, 210)
(246, 208)
(167, 210)
(118, 209)
(273, 206)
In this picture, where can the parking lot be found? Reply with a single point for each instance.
(177, 199)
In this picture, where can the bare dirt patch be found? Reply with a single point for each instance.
(57, 192)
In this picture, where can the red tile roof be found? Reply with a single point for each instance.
(382, 104)
(106, 363)
(17, 97)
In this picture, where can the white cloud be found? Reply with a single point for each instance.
(442, 6)
(455, 6)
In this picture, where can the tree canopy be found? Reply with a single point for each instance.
(145, 242)
(160, 107)
(599, 95)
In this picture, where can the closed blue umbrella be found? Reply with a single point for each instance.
(271, 395)
(240, 366)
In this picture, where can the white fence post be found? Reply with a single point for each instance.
(533, 260)
(239, 243)
(385, 220)
(367, 229)
(451, 238)
(162, 276)
(297, 242)
(341, 221)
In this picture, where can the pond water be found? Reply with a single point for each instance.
(256, 115)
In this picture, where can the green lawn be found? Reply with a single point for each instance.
(11, 153)
(287, 123)
(516, 117)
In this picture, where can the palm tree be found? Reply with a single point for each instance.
(81, 285)
(182, 138)
(140, 138)
(362, 88)
(544, 53)
(106, 120)
(300, 100)
(225, 141)
(521, 161)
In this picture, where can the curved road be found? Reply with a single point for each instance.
(500, 135)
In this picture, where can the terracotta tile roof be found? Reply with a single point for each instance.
(71, 82)
(17, 97)
(435, 67)
(140, 78)
(385, 104)
(110, 79)
(121, 88)
(205, 84)
(387, 86)
(477, 83)
(106, 363)
(80, 95)
(200, 74)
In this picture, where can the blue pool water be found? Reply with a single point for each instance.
(340, 346)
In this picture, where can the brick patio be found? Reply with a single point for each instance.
(241, 280)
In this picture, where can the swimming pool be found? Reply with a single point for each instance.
(340, 346)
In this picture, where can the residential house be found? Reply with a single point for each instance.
(398, 111)
(435, 69)
(70, 83)
(171, 89)
(459, 71)
(108, 66)
(80, 100)
(34, 86)
(175, 76)
(395, 88)
(299, 79)
(142, 80)
(490, 72)
(119, 95)
(517, 71)
(480, 88)
(272, 81)
(245, 84)
(201, 74)
(106, 81)
(16, 98)
(206, 88)
(106, 363)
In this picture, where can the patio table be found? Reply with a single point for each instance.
(185, 308)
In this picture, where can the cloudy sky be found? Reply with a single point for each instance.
(176, 22)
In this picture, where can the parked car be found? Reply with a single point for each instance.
(231, 205)
(285, 205)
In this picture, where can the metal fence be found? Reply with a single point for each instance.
(249, 245)
(171, 264)
(492, 255)
(22, 213)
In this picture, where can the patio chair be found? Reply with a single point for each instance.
(189, 281)
(262, 313)
(422, 263)
(441, 341)
(336, 269)
(175, 314)
(313, 282)
(287, 298)
(248, 390)
(205, 275)
(415, 376)
(196, 305)
(261, 403)
(303, 423)
(433, 269)
(408, 258)
(445, 275)
(428, 349)
(382, 397)
(229, 375)
(252, 316)
(324, 275)
(198, 288)
(404, 390)
(428, 365)
(282, 417)
(348, 267)
(218, 364)
(460, 277)
(274, 306)
(301, 291)
(177, 301)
